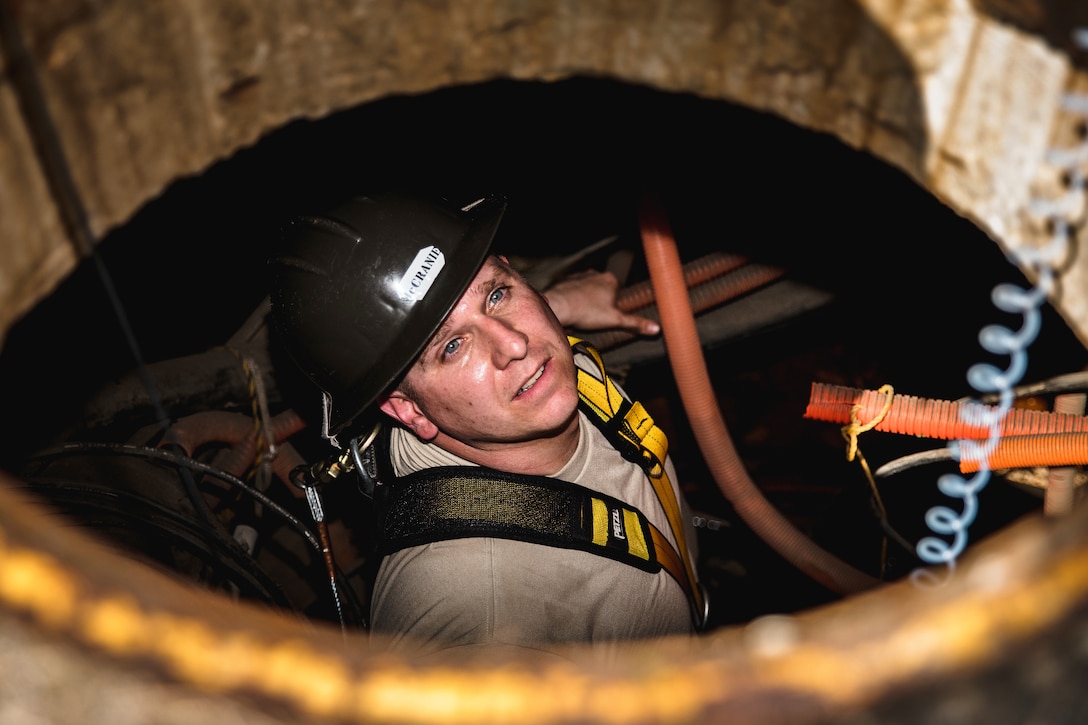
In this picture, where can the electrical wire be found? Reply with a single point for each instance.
(1068, 383)
(922, 458)
(185, 463)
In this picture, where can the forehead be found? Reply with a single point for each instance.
(492, 274)
(491, 267)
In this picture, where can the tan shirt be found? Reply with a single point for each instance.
(467, 593)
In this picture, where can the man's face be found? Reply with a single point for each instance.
(498, 371)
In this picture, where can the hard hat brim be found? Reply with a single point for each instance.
(428, 315)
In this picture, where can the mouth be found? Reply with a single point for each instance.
(531, 381)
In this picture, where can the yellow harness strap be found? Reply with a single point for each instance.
(631, 428)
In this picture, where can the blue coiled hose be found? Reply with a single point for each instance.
(989, 379)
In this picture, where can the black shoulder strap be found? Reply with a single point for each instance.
(465, 501)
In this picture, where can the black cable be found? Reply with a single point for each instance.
(184, 463)
(187, 464)
(922, 458)
(50, 152)
(115, 513)
(1068, 383)
(43, 133)
(57, 171)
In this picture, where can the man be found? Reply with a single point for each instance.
(394, 304)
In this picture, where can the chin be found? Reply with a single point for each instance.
(561, 422)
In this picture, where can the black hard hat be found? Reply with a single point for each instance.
(358, 292)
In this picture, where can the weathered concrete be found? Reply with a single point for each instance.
(144, 93)
(141, 93)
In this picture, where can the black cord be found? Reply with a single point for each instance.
(186, 464)
(50, 151)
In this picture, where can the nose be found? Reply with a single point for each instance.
(507, 342)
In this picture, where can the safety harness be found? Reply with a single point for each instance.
(450, 502)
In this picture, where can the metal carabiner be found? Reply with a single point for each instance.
(363, 454)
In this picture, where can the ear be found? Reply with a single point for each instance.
(404, 410)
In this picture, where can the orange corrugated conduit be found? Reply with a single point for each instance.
(1049, 449)
(700, 404)
(695, 273)
(910, 415)
(723, 285)
(1028, 438)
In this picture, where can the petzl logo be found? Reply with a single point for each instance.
(421, 274)
(617, 525)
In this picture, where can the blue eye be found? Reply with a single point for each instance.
(497, 295)
(451, 347)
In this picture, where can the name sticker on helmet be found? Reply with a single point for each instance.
(421, 274)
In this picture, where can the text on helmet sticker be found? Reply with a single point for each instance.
(421, 274)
